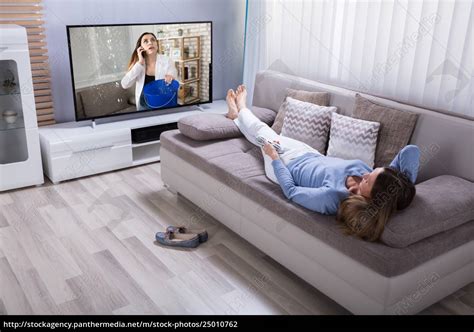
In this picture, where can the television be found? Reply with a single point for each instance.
(133, 68)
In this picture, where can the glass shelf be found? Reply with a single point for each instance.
(14, 93)
(19, 123)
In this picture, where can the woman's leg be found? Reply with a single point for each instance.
(251, 127)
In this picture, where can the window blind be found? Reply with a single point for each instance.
(415, 52)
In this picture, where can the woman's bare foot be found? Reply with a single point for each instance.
(233, 111)
(241, 97)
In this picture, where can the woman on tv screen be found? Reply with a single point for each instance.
(146, 66)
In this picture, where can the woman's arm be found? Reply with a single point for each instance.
(131, 76)
(323, 200)
(407, 161)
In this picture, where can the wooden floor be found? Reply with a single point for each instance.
(87, 247)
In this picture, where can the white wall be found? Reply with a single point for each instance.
(228, 34)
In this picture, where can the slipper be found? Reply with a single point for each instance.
(202, 233)
(173, 239)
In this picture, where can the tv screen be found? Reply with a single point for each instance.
(130, 68)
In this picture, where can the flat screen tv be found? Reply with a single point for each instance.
(130, 68)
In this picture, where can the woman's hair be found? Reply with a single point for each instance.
(366, 217)
(134, 58)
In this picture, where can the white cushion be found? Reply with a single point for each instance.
(352, 138)
(307, 122)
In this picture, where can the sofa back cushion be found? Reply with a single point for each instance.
(353, 138)
(440, 204)
(307, 122)
(317, 98)
(396, 127)
(445, 140)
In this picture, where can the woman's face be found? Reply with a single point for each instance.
(368, 180)
(150, 44)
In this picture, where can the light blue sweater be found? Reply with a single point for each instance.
(318, 182)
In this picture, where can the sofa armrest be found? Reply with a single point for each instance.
(440, 204)
(204, 127)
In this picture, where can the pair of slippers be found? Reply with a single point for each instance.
(179, 236)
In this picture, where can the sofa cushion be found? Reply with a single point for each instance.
(353, 138)
(440, 204)
(307, 122)
(205, 126)
(396, 127)
(318, 98)
(264, 114)
(239, 164)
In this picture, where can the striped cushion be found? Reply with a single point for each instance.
(307, 122)
(353, 138)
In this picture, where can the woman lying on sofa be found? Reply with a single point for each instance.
(363, 198)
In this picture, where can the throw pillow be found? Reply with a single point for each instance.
(353, 138)
(318, 98)
(307, 122)
(396, 127)
(205, 126)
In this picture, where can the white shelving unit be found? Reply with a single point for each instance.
(75, 149)
(20, 157)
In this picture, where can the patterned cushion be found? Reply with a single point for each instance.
(318, 98)
(307, 122)
(353, 138)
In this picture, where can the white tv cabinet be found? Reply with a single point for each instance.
(75, 149)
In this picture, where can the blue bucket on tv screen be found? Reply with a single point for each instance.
(159, 94)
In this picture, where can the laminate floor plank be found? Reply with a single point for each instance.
(94, 295)
(13, 295)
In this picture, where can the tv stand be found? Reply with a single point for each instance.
(72, 150)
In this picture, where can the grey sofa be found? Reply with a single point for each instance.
(104, 99)
(426, 251)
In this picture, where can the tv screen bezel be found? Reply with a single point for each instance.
(147, 112)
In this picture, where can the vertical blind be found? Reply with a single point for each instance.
(28, 13)
(417, 52)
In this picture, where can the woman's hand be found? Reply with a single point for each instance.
(141, 59)
(168, 78)
(270, 151)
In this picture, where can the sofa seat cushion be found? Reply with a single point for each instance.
(204, 127)
(239, 164)
(440, 204)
